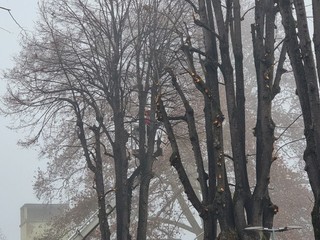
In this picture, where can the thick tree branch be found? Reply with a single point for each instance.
(176, 162)
(195, 9)
(280, 70)
(194, 138)
(203, 25)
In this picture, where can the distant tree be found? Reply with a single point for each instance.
(2, 236)
(289, 190)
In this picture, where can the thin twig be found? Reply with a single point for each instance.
(5, 30)
(297, 140)
(242, 18)
(13, 18)
(7, 9)
(289, 126)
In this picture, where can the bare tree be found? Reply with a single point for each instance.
(81, 75)
(305, 72)
(221, 56)
(65, 75)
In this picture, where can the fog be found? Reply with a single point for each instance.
(18, 166)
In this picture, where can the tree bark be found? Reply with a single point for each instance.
(301, 58)
(263, 52)
(99, 180)
(316, 33)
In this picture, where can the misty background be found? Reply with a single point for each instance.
(18, 165)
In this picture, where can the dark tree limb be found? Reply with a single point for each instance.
(195, 9)
(176, 162)
(194, 138)
(280, 70)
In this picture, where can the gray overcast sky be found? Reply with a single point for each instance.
(18, 166)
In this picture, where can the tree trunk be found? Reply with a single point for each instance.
(211, 76)
(122, 207)
(263, 48)
(121, 171)
(146, 158)
(301, 58)
(103, 220)
(242, 193)
(316, 33)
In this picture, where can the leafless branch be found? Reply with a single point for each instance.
(296, 119)
(280, 71)
(195, 9)
(13, 18)
(203, 25)
(242, 18)
(7, 9)
(287, 143)
(174, 223)
(5, 30)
